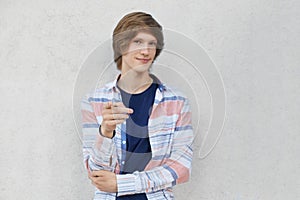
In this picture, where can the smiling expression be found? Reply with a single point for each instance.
(140, 53)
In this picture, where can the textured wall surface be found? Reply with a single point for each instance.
(254, 43)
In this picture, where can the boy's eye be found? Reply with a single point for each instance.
(140, 42)
(152, 43)
(137, 41)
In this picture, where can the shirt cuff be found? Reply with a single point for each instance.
(126, 184)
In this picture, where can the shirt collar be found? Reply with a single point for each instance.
(113, 85)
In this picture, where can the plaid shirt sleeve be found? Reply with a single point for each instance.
(174, 169)
(97, 150)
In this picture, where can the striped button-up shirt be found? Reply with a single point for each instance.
(170, 134)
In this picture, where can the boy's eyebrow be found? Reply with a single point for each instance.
(138, 38)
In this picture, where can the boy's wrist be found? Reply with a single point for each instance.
(105, 133)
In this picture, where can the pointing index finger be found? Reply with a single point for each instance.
(120, 108)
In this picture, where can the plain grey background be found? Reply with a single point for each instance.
(254, 44)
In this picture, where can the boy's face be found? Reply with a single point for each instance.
(140, 53)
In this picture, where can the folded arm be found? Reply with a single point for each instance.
(175, 169)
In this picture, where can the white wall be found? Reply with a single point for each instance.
(254, 44)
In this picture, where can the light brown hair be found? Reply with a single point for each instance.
(128, 27)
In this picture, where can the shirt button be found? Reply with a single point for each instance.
(123, 162)
(123, 142)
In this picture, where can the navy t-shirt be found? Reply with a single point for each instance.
(138, 149)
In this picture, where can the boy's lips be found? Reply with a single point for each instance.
(144, 60)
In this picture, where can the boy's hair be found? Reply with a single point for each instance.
(128, 27)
